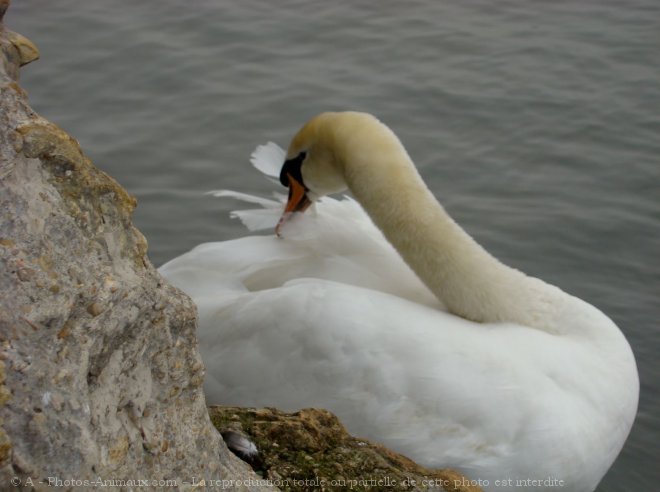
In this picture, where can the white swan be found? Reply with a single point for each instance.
(465, 363)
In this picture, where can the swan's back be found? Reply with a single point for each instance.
(335, 241)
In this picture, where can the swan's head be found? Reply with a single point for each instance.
(315, 162)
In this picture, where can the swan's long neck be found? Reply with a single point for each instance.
(462, 274)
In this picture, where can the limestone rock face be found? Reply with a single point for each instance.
(311, 450)
(100, 376)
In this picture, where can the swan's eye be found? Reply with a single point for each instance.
(292, 167)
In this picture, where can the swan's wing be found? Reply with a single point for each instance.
(438, 388)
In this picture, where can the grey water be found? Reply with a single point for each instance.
(537, 125)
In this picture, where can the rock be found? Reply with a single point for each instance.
(100, 376)
(311, 450)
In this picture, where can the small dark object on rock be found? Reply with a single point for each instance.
(242, 447)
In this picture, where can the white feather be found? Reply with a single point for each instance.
(268, 159)
(264, 202)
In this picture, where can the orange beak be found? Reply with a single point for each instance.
(298, 202)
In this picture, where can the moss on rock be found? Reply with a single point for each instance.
(311, 450)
